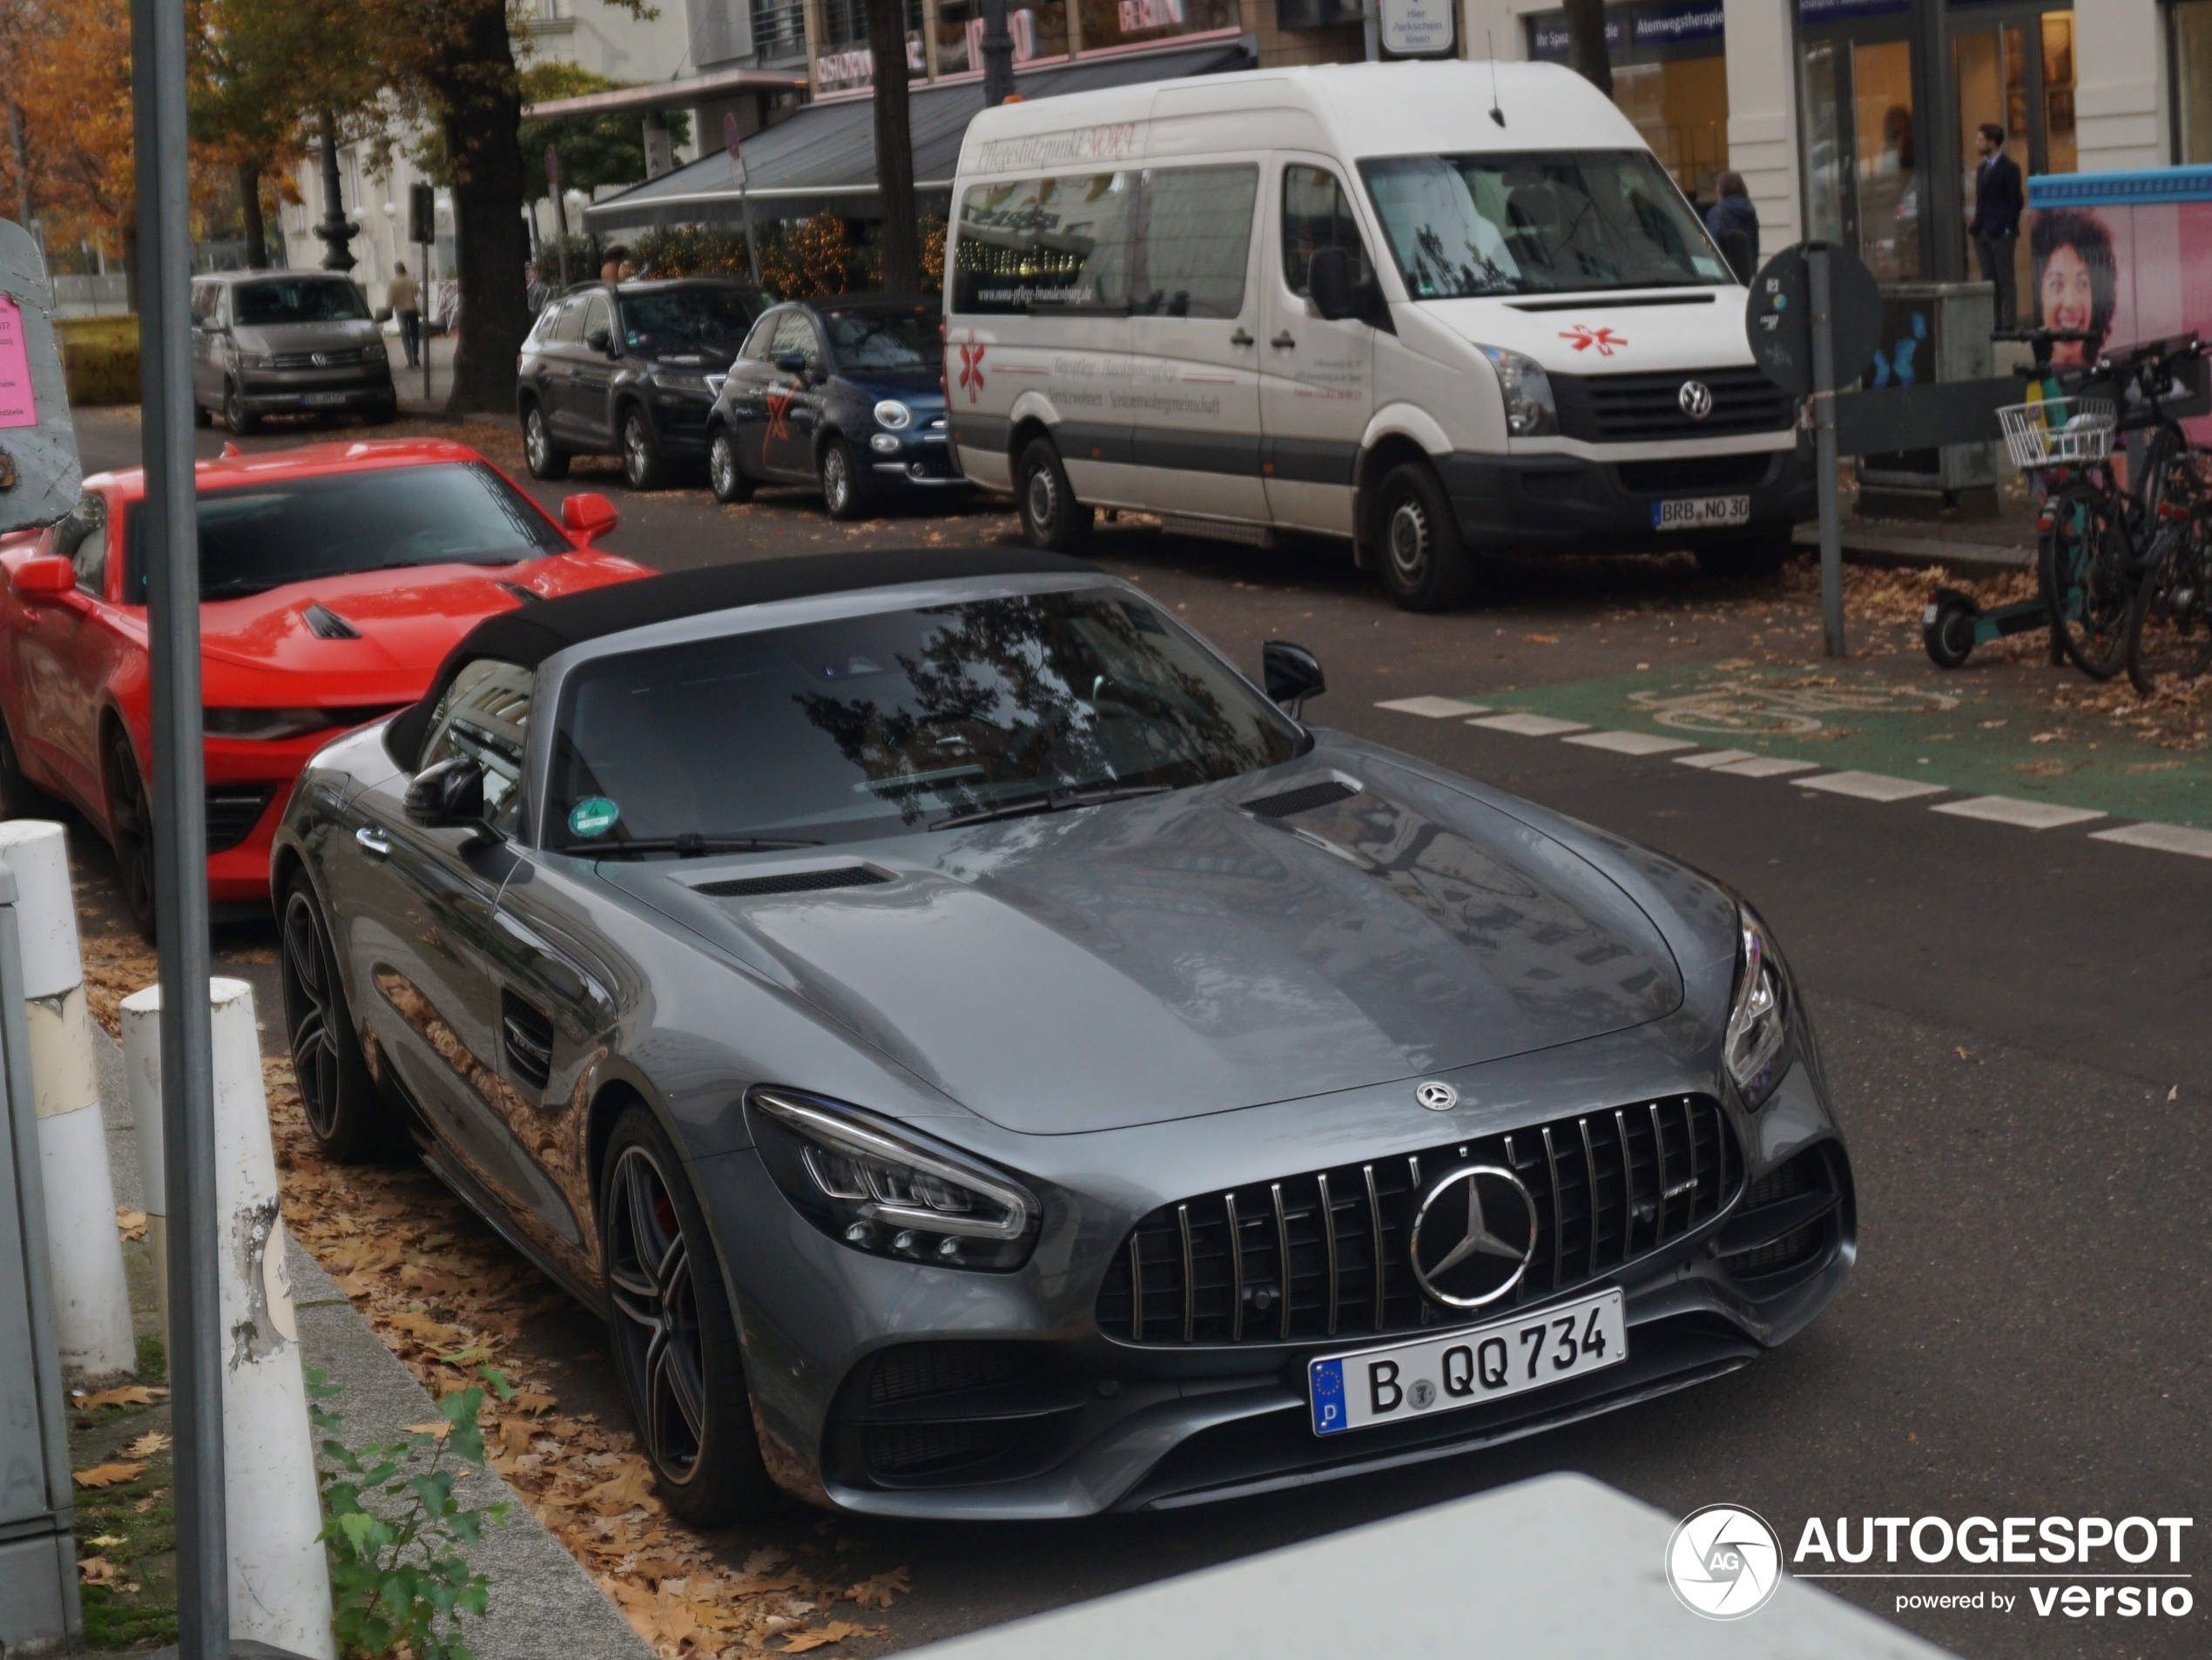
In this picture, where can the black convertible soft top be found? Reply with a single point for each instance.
(531, 635)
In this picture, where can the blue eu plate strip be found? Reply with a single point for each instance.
(1327, 1378)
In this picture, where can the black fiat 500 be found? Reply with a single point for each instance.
(848, 394)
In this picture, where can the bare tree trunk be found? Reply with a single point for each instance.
(894, 147)
(482, 109)
(17, 137)
(249, 208)
(1585, 53)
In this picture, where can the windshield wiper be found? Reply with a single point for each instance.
(1080, 795)
(689, 845)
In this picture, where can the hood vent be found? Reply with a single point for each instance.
(793, 882)
(520, 592)
(328, 625)
(1325, 793)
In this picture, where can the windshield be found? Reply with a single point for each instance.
(267, 534)
(885, 340)
(879, 724)
(1538, 223)
(310, 299)
(688, 319)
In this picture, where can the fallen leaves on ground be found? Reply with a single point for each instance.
(835, 1631)
(129, 1394)
(437, 1429)
(131, 1225)
(109, 1475)
(148, 1445)
(98, 1570)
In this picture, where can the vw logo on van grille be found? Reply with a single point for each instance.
(320, 360)
(1696, 400)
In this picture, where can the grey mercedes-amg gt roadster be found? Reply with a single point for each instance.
(985, 1057)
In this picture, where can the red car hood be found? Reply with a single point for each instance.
(407, 621)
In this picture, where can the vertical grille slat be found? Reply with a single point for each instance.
(1331, 1243)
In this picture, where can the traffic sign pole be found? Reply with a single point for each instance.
(729, 138)
(1824, 434)
(560, 211)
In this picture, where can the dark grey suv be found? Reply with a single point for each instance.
(286, 342)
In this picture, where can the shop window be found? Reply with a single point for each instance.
(2192, 55)
(1037, 32)
(1670, 78)
(1862, 184)
(1135, 23)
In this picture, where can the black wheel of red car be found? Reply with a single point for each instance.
(130, 831)
(546, 459)
(675, 1341)
(350, 1121)
(236, 415)
(724, 475)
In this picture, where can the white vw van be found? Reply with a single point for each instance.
(1363, 300)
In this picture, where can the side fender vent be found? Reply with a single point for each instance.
(793, 882)
(1326, 794)
(527, 1036)
(328, 625)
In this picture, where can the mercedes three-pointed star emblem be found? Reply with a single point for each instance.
(1483, 1262)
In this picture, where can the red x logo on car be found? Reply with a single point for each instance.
(971, 366)
(779, 405)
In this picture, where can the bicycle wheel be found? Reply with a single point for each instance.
(2082, 566)
(2169, 619)
(2163, 479)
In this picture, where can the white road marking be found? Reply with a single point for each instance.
(1872, 786)
(1531, 725)
(1766, 766)
(1433, 708)
(1630, 743)
(1714, 758)
(2165, 838)
(2028, 816)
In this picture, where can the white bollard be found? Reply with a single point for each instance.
(279, 1577)
(142, 1072)
(92, 1296)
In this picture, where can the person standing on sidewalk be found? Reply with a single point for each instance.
(1733, 215)
(407, 304)
(1996, 227)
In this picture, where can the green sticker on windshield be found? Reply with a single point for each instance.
(593, 816)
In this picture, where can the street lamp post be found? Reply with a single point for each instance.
(998, 55)
(336, 230)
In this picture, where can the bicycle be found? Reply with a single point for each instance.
(2169, 620)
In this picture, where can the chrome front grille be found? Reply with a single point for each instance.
(1609, 1186)
(1641, 409)
(333, 360)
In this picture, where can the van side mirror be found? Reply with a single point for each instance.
(1328, 280)
(452, 792)
(1293, 674)
(588, 514)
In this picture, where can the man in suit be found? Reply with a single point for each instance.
(1996, 227)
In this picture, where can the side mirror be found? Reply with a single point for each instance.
(1328, 280)
(588, 515)
(451, 792)
(792, 363)
(47, 577)
(1293, 674)
(599, 340)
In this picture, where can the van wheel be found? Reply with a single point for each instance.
(724, 475)
(1425, 564)
(1051, 516)
(236, 416)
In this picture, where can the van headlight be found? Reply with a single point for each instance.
(1531, 412)
(880, 1189)
(1757, 1049)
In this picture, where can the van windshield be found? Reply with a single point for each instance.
(1538, 222)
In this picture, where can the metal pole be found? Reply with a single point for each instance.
(1823, 430)
(751, 246)
(172, 545)
(561, 223)
(998, 55)
(421, 335)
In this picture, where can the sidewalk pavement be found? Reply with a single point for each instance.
(1986, 547)
(543, 1603)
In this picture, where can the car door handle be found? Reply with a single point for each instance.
(373, 841)
(1282, 340)
(1240, 338)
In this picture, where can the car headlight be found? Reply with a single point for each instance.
(264, 725)
(1756, 1048)
(255, 361)
(683, 381)
(893, 415)
(1531, 412)
(886, 1192)
(375, 352)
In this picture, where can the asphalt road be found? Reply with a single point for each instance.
(2014, 1023)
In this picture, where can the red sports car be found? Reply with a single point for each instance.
(333, 579)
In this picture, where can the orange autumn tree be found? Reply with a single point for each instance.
(65, 75)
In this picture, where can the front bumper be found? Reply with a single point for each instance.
(680, 422)
(1562, 503)
(282, 393)
(922, 458)
(891, 1388)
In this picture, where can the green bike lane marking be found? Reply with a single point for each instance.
(1964, 737)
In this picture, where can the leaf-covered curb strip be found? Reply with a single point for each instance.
(448, 1297)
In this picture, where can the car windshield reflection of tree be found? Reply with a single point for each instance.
(885, 340)
(324, 299)
(883, 723)
(687, 319)
(259, 538)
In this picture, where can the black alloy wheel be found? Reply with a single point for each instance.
(724, 475)
(350, 1121)
(643, 466)
(130, 831)
(546, 460)
(1425, 564)
(844, 490)
(1051, 516)
(675, 1342)
(236, 416)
